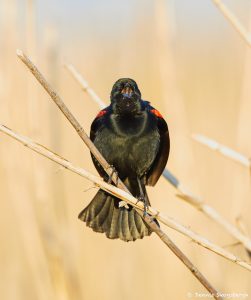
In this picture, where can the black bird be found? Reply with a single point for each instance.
(133, 137)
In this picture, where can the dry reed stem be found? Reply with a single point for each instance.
(29, 272)
(181, 256)
(170, 222)
(243, 131)
(110, 171)
(208, 211)
(39, 179)
(226, 151)
(63, 265)
(184, 193)
(85, 86)
(109, 188)
(80, 131)
(242, 225)
(243, 228)
(233, 20)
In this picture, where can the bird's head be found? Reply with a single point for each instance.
(125, 97)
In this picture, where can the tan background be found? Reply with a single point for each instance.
(192, 65)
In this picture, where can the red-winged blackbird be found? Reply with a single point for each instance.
(133, 137)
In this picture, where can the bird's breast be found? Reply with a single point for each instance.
(129, 145)
(128, 126)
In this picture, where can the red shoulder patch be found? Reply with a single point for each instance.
(156, 113)
(101, 113)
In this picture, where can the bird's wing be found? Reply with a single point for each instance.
(160, 161)
(98, 124)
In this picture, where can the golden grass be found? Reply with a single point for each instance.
(46, 253)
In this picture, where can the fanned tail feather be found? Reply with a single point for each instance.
(104, 215)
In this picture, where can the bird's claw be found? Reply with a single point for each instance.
(123, 204)
(111, 175)
(142, 199)
(145, 209)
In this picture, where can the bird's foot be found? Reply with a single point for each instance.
(143, 199)
(146, 206)
(114, 172)
(154, 219)
(123, 204)
(140, 199)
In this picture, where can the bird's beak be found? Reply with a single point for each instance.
(127, 92)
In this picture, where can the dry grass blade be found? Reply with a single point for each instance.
(126, 197)
(58, 101)
(243, 229)
(184, 193)
(109, 170)
(226, 151)
(208, 210)
(122, 195)
(85, 86)
(233, 20)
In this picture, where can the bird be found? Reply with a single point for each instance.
(133, 137)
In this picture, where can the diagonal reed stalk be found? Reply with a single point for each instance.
(170, 222)
(184, 194)
(161, 234)
(85, 86)
(110, 171)
(233, 20)
(118, 193)
(224, 150)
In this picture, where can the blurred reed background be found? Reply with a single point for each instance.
(192, 66)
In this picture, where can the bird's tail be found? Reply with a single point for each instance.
(103, 214)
